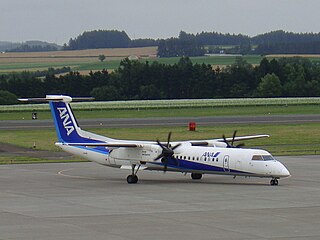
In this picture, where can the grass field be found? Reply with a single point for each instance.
(182, 112)
(286, 139)
(305, 140)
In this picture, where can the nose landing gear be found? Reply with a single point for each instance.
(274, 182)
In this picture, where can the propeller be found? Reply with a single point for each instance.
(240, 145)
(167, 152)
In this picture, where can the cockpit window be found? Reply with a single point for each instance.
(262, 158)
(257, 158)
(267, 157)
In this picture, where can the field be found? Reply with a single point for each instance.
(305, 140)
(287, 139)
(87, 60)
(172, 108)
(77, 60)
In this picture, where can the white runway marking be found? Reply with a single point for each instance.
(62, 173)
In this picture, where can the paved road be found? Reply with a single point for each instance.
(179, 121)
(86, 201)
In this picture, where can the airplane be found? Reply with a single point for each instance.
(198, 157)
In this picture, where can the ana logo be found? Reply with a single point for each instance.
(64, 116)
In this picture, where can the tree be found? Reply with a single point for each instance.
(269, 86)
(7, 98)
(102, 57)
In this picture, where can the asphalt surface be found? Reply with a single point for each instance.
(179, 121)
(88, 201)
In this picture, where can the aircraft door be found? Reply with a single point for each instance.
(226, 163)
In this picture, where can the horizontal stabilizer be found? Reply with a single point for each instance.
(56, 98)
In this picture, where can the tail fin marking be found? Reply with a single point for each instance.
(66, 124)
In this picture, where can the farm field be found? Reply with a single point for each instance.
(15, 62)
(87, 60)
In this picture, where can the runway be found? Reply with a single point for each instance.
(89, 201)
(166, 121)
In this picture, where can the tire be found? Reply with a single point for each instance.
(132, 179)
(196, 176)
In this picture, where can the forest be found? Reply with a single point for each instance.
(186, 44)
(285, 77)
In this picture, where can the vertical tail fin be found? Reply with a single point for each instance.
(65, 122)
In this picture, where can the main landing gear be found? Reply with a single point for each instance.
(274, 182)
(133, 178)
(196, 176)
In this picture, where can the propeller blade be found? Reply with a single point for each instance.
(160, 156)
(176, 146)
(167, 152)
(159, 143)
(169, 138)
(233, 137)
(225, 141)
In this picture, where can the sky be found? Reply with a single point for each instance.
(59, 20)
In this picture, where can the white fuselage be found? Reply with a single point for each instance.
(208, 160)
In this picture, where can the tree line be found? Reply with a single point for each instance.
(287, 77)
(106, 39)
(187, 44)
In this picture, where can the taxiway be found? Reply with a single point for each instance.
(89, 201)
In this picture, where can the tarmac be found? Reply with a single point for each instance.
(89, 201)
(166, 121)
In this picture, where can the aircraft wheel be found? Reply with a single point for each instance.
(274, 182)
(196, 176)
(132, 179)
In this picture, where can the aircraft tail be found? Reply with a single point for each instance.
(65, 122)
(67, 128)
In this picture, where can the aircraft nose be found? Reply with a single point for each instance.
(285, 172)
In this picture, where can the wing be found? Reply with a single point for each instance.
(132, 144)
(212, 142)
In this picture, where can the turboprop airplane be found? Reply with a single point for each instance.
(198, 157)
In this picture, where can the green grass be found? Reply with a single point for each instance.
(6, 67)
(214, 60)
(181, 112)
(286, 139)
(96, 66)
(23, 159)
